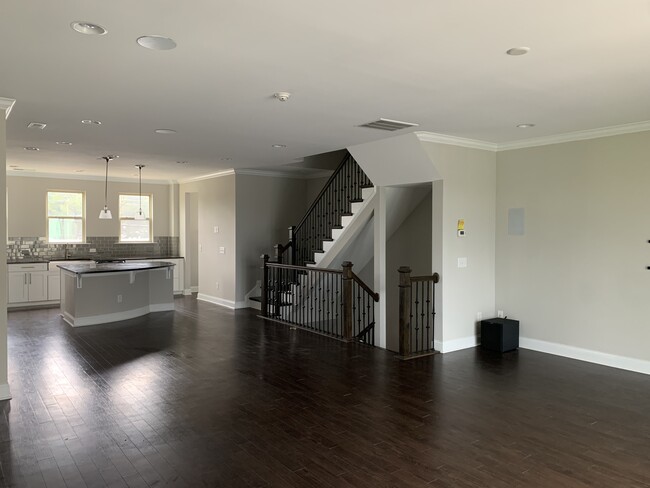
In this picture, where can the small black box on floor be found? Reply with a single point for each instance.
(500, 335)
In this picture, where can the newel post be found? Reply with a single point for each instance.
(278, 253)
(292, 240)
(404, 311)
(347, 300)
(265, 284)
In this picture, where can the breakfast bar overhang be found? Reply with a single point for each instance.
(100, 293)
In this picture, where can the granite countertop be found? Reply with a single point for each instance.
(32, 260)
(112, 267)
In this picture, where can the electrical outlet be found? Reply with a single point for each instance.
(92, 250)
(217, 285)
(216, 229)
(119, 298)
(462, 262)
(222, 250)
(479, 315)
(500, 314)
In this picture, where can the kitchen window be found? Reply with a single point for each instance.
(66, 216)
(132, 228)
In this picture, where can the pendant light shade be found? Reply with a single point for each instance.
(105, 213)
(140, 215)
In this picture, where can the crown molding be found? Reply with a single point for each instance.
(7, 104)
(456, 141)
(218, 174)
(580, 135)
(283, 174)
(59, 176)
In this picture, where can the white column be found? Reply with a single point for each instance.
(5, 106)
(380, 263)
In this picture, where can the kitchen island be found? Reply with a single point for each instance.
(108, 292)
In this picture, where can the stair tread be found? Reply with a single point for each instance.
(347, 214)
(255, 299)
(339, 227)
(356, 200)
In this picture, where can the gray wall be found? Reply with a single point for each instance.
(410, 245)
(577, 276)
(28, 196)
(266, 207)
(216, 207)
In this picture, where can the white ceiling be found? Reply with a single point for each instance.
(441, 64)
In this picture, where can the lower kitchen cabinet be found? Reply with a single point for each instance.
(27, 283)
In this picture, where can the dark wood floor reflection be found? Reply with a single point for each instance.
(204, 396)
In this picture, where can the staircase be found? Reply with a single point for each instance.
(334, 208)
(334, 302)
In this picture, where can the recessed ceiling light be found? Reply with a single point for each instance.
(165, 131)
(19, 169)
(91, 122)
(518, 51)
(88, 28)
(526, 126)
(182, 162)
(30, 148)
(64, 143)
(226, 159)
(36, 125)
(13, 165)
(79, 170)
(279, 146)
(157, 43)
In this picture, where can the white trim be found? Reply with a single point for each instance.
(253, 305)
(5, 394)
(282, 174)
(580, 135)
(217, 301)
(456, 141)
(194, 289)
(456, 344)
(116, 316)
(242, 304)
(588, 355)
(218, 174)
(6, 104)
(66, 176)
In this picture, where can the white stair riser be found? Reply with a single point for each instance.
(355, 207)
(346, 219)
(366, 193)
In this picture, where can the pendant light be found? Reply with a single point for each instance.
(140, 215)
(106, 213)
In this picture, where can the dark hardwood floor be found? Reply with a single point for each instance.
(204, 396)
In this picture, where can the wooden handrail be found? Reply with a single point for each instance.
(435, 277)
(322, 192)
(375, 296)
(304, 268)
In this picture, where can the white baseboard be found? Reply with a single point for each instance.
(217, 301)
(254, 305)
(5, 394)
(116, 316)
(194, 289)
(620, 362)
(455, 344)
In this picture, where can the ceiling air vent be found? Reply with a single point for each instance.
(387, 124)
(36, 125)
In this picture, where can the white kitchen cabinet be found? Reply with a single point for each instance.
(27, 282)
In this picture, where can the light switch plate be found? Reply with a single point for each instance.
(222, 250)
(462, 262)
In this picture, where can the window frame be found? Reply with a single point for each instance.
(82, 218)
(149, 219)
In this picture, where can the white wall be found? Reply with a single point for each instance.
(4, 385)
(577, 277)
(216, 207)
(28, 197)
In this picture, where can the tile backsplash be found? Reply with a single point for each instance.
(105, 247)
